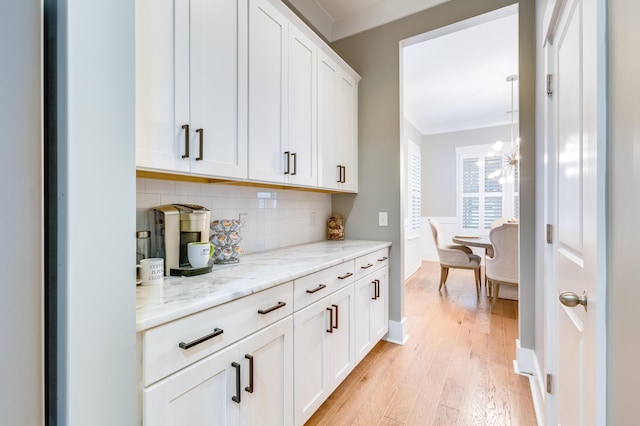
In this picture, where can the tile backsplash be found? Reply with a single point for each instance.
(272, 218)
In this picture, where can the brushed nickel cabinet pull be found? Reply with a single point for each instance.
(185, 127)
(250, 387)
(236, 398)
(347, 275)
(271, 309)
(201, 137)
(330, 330)
(320, 287)
(216, 332)
(383, 259)
(367, 266)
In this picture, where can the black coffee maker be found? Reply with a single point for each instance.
(173, 226)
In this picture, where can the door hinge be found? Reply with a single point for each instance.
(549, 85)
(549, 233)
(549, 383)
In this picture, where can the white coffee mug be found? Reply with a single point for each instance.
(199, 253)
(151, 271)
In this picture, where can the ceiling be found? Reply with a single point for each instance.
(454, 78)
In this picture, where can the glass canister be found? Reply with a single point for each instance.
(143, 245)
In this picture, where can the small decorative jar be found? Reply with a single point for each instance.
(335, 228)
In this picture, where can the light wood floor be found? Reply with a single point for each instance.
(456, 368)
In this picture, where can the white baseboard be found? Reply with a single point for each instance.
(397, 332)
(527, 365)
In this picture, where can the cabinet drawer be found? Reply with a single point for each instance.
(368, 263)
(315, 286)
(172, 346)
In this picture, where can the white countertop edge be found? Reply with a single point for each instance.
(182, 296)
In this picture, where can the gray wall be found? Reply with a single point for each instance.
(439, 166)
(623, 205)
(96, 128)
(374, 54)
(21, 245)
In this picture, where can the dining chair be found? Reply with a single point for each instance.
(502, 267)
(454, 256)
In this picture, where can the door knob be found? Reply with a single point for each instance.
(570, 299)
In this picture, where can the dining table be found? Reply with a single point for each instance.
(481, 241)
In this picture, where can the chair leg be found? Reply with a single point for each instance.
(478, 282)
(495, 290)
(444, 271)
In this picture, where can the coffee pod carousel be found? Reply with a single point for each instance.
(225, 236)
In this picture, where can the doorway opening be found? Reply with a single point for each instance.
(455, 96)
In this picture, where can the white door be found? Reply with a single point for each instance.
(576, 200)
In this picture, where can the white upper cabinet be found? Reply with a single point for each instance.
(191, 87)
(337, 126)
(282, 62)
(242, 90)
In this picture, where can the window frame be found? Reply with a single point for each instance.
(509, 190)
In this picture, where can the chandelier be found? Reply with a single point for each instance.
(509, 151)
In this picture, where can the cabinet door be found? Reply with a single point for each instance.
(328, 162)
(217, 146)
(267, 92)
(337, 126)
(161, 37)
(346, 111)
(198, 395)
(342, 343)
(270, 400)
(301, 138)
(371, 312)
(310, 361)
(324, 354)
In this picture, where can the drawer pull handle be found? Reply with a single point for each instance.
(250, 387)
(330, 330)
(201, 144)
(236, 398)
(347, 275)
(377, 289)
(383, 259)
(375, 293)
(367, 266)
(288, 155)
(185, 127)
(271, 309)
(216, 332)
(320, 287)
(336, 326)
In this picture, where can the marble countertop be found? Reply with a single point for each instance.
(181, 296)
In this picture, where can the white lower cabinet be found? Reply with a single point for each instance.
(324, 350)
(271, 358)
(247, 383)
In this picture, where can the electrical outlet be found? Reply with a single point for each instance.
(382, 219)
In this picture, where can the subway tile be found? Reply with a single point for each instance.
(158, 186)
(140, 185)
(189, 188)
(146, 201)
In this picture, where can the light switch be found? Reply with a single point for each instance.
(382, 219)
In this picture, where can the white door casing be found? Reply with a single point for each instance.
(575, 194)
